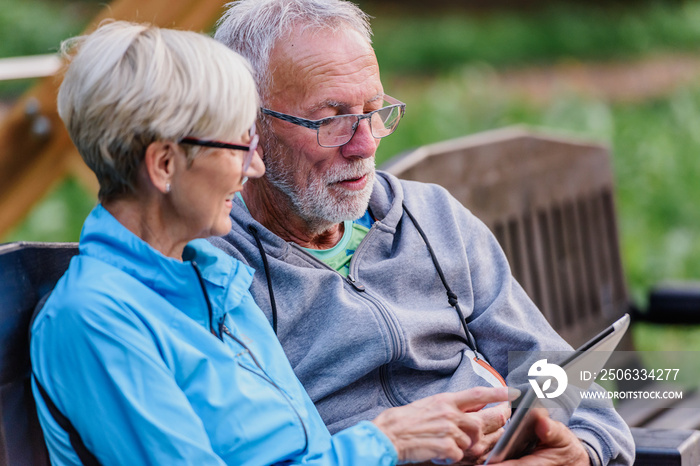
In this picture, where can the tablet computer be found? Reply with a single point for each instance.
(519, 436)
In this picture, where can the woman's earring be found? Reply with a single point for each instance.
(167, 187)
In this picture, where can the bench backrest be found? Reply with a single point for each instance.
(27, 272)
(549, 201)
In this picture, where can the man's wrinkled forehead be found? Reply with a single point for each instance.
(325, 68)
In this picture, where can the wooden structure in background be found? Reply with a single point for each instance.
(35, 149)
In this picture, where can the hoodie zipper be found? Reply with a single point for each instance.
(225, 331)
(362, 291)
(391, 326)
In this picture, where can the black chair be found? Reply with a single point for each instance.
(27, 272)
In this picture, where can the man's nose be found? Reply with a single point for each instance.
(362, 144)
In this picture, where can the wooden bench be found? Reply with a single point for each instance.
(27, 272)
(550, 203)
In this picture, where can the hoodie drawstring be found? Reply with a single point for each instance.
(273, 305)
(451, 296)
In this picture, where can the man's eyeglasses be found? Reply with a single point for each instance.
(250, 147)
(337, 130)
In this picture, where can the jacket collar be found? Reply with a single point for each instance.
(227, 279)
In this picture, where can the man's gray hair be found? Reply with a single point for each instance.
(253, 27)
(129, 85)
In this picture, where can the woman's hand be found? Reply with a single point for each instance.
(440, 427)
(492, 421)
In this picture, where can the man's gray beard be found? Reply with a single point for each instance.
(318, 204)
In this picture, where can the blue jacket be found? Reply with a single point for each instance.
(386, 335)
(124, 349)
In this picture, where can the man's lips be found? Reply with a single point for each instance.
(353, 183)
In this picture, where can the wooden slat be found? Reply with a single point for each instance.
(639, 412)
(618, 280)
(605, 290)
(551, 275)
(537, 263)
(683, 414)
(590, 246)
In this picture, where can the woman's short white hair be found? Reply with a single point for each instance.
(129, 85)
(253, 27)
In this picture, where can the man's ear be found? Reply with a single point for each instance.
(160, 164)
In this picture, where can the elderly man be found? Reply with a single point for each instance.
(381, 291)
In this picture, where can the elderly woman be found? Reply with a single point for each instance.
(150, 350)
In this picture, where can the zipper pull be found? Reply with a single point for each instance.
(358, 286)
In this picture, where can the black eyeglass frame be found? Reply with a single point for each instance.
(250, 147)
(316, 124)
(213, 143)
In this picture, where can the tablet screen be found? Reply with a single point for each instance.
(519, 436)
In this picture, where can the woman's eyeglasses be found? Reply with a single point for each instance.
(250, 147)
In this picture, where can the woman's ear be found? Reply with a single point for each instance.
(160, 164)
(260, 151)
(261, 135)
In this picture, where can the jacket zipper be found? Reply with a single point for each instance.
(225, 331)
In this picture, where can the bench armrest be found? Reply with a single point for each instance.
(673, 303)
(666, 446)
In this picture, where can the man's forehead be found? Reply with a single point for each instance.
(325, 69)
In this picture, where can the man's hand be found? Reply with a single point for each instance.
(557, 445)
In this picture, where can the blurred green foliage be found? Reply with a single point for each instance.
(429, 43)
(444, 69)
(59, 217)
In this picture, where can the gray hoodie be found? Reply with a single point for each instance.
(386, 335)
